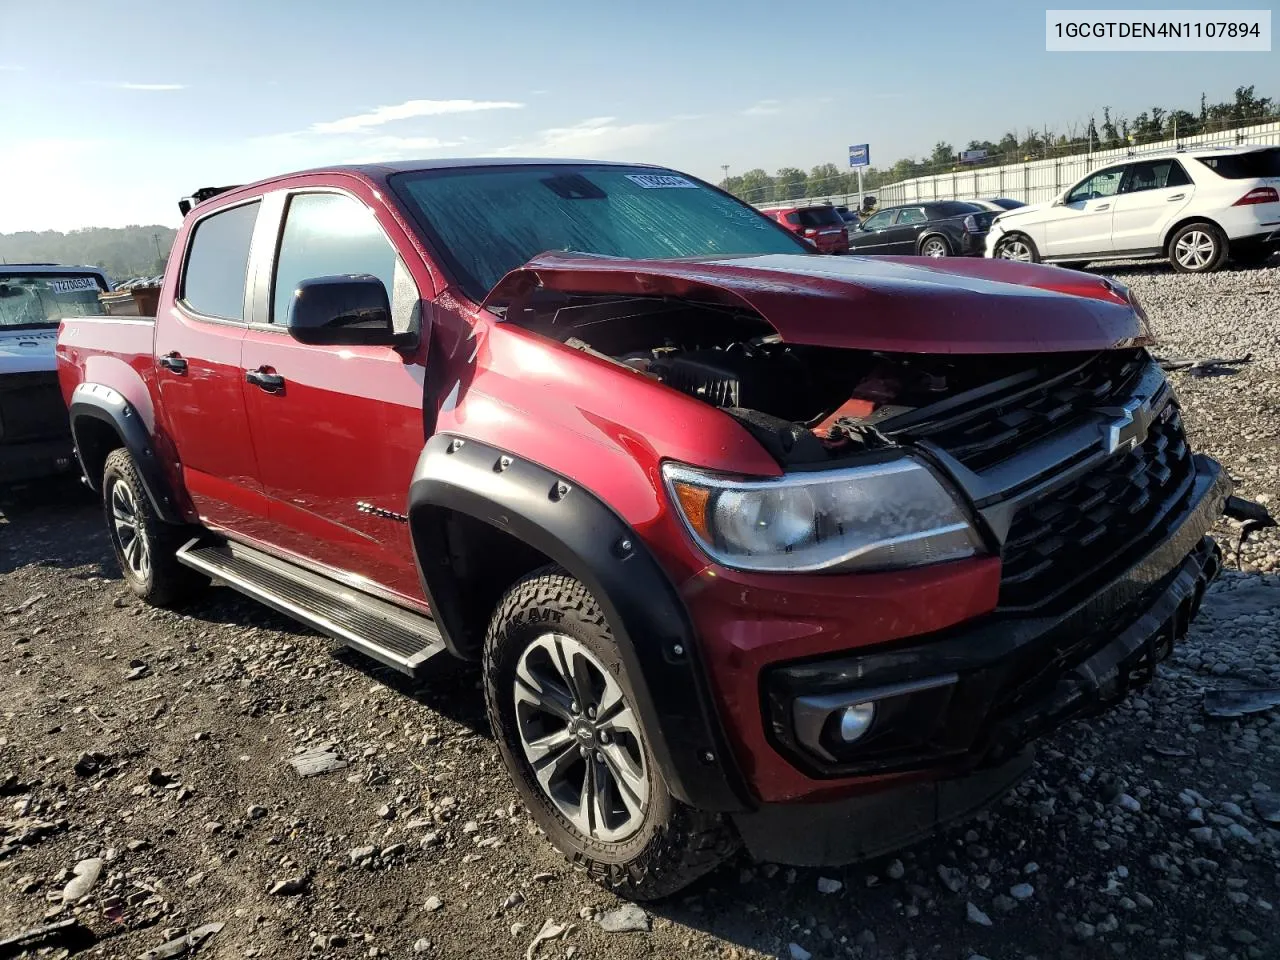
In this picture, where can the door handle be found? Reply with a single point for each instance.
(173, 361)
(1178, 196)
(264, 378)
(1103, 206)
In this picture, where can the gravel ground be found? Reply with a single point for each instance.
(146, 789)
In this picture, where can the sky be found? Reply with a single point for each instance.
(115, 110)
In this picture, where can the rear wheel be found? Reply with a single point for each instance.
(1017, 246)
(935, 247)
(565, 718)
(1197, 248)
(145, 545)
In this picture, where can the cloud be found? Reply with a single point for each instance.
(595, 137)
(763, 108)
(408, 110)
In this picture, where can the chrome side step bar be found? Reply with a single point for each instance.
(392, 635)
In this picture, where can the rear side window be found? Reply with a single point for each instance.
(1245, 166)
(911, 215)
(820, 217)
(218, 263)
(1155, 175)
(328, 235)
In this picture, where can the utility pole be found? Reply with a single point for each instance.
(725, 168)
(156, 238)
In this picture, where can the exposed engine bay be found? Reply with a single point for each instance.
(805, 404)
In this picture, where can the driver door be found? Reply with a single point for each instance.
(1081, 225)
(873, 235)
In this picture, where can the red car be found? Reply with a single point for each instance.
(820, 225)
(753, 546)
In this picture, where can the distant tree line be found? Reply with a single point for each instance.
(123, 252)
(1108, 132)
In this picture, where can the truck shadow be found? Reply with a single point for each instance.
(54, 524)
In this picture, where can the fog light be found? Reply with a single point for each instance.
(856, 721)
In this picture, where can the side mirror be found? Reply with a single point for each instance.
(350, 310)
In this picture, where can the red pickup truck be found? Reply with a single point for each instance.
(754, 545)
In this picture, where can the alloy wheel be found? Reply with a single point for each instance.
(1015, 250)
(582, 738)
(1195, 249)
(934, 248)
(128, 530)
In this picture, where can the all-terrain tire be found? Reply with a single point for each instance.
(675, 844)
(146, 547)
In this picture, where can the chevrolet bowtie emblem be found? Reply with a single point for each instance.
(1129, 430)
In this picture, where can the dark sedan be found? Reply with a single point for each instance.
(941, 228)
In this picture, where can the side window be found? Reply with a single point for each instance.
(1155, 175)
(1177, 176)
(912, 215)
(218, 262)
(1104, 183)
(879, 221)
(793, 219)
(330, 234)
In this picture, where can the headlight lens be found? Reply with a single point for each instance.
(872, 517)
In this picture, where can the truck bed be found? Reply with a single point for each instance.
(88, 343)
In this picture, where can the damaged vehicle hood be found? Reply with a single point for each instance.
(898, 304)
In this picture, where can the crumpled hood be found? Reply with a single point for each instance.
(900, 304)
(28, 351)
(1022, 211)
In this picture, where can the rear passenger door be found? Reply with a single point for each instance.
(1153, 194)
(339, 437)
(199, 375)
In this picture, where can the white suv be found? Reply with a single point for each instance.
(1195, 207)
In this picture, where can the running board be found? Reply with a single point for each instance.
(387, 633)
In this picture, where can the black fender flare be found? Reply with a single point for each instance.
(96, 401)
(582, 534)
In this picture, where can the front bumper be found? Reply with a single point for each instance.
(1036, 683)
(958, 696)
(35, 460)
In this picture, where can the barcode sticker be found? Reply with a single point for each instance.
(660, 181)
(71, 284)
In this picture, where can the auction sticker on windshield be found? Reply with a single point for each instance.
(657, 181)
(71, 284)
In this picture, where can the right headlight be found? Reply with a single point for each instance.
(879, 516)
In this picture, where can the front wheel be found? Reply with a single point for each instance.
(565, 718)
(1017, 247)
(145, 545)
(1197, 248)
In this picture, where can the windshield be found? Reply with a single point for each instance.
(42, 299)
(487, 221)
(1245, 166)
